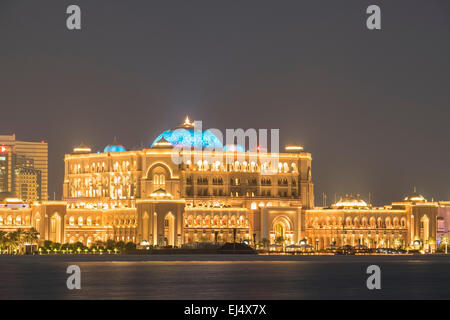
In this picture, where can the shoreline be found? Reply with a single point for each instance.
(442, 258)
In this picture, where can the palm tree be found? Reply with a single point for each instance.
(265, 242)
(31, 236)
(20, 237)
(110, 244)
(397, 243)
(279, 240)
(98, 244)
(12, 242)
(3, 240)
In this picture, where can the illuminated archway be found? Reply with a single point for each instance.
(161, 165)
(281, 227)
(55, 228)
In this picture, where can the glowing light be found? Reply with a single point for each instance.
(351, 202)
(160, 193)
(294, 148)
(234, 148)
(82, 149)
(415, 198)
(13, 200)
(163, 143)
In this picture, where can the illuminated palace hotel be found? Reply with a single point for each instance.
(144, 196)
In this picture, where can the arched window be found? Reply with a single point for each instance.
(364, 222)
(403, 222)
(348, 222)
(224, 221)
(242, 221)
(159, 179)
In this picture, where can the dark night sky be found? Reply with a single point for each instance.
(373, 107)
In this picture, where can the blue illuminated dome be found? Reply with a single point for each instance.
(183, 136)
(114, 147)
(234, 148)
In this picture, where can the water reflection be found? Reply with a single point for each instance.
(337, 278)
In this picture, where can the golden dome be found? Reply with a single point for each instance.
(351, 202)
(82, 148)
(415, 197)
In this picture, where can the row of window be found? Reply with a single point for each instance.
(238, 181)
(114, 192)
(118, 166)
(355, 223)
(241, 166)
(204, 192)
(10, 220)
(216, 221)
(98, 221)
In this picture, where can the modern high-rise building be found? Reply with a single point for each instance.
(23, 168)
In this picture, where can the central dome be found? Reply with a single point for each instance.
(351, 202)
(183, 136)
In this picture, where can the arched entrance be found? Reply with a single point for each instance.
(169, 229)
(424, 228)
(281, 230)
(55, 228)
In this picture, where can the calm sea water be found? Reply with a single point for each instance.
(224, 277)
